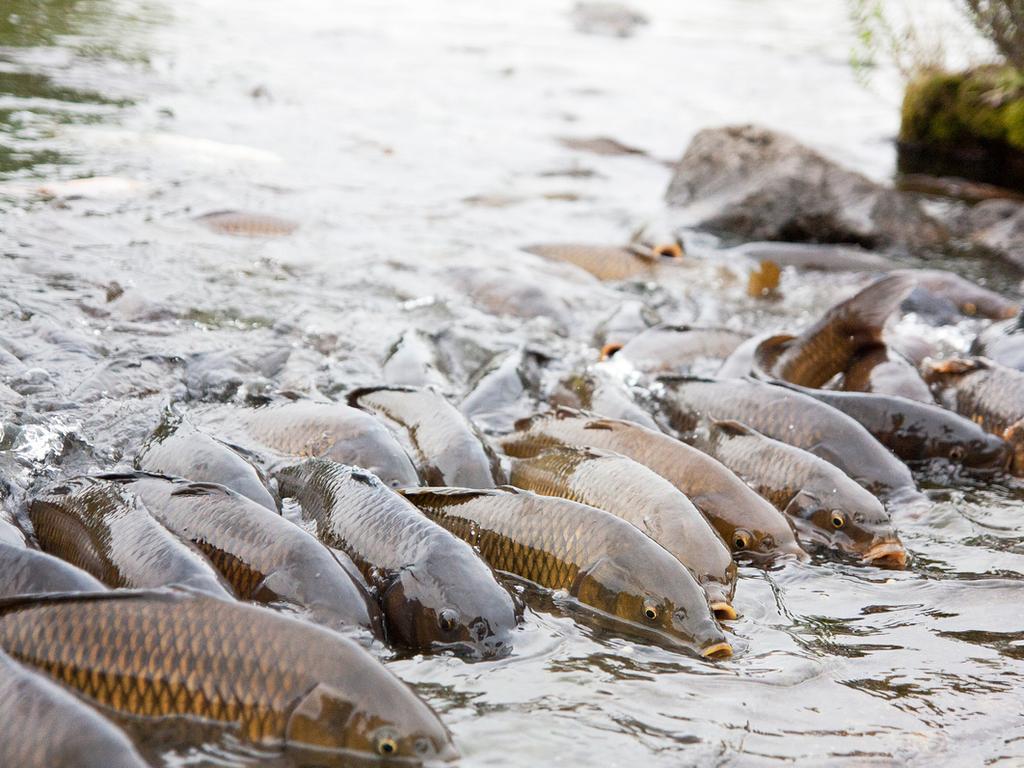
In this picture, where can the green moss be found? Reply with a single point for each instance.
(985, 104)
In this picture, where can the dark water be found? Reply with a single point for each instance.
(417, 144)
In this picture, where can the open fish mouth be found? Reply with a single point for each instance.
(724, 611)
(717, 651)
(887, 554)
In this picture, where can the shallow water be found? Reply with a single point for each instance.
(418, 146)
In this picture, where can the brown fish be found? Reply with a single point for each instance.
(971, 299)
(827, 506)
(181, 450)
(832, 258)
(413, 361)
(918, 431)
(744, 520)
(1002, 343)
(602, 561)
(989, 394)
(271, 680)
(609, 262)
(643, 499)
(261, 555)
(793, 418)
(44, 726)
(330, 430)
(627, 320)
(884, 371)
(447, 448)
(436, 593)
(243, 224)
(599, 392)
(675, 348)
(106, 531)
(825, 349)
(29, 571)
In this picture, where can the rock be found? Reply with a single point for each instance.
(753, 183)
(998, 226)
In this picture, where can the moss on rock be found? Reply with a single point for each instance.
(968, 124)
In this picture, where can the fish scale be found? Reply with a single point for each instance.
(99, 527)
(642, 498)
(420, 570)
(599, 559)
(725, 499)
(263, 556)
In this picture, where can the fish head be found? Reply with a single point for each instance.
(984, 452)
(453, 604)
(678, 612)
(851, 522)
(392, 723)
(762, 544)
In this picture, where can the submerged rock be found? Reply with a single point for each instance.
(754, 183)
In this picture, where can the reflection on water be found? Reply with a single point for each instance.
(379, 127)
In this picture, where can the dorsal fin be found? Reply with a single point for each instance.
(353, 397)
(732, 427)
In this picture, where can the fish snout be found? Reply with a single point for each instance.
(723, 610)
(887, 553)
(717, 651)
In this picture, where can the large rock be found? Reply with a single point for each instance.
(753, 183)
(998, 226)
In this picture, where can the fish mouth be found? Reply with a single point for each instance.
(717, 651)
(723, 611)
(886, 554)
(608, 350)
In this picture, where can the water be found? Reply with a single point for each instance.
(418, 146)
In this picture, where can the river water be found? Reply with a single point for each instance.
(419, 145)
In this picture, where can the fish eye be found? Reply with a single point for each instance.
(838, 519)
(957, 453)
(741, 539)
(386, 746)
(447, 619)
(651, 611)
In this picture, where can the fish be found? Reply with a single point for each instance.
(793, 418)
(264, 558)
(435, 592)
(610, 263)
(313, 429)
(918, 432)
(157, 655)
(505, 388)
(105, 530)
(884, 371)
(601, 561)
(668, 348)
(823, 350)
(627, 320)
(1002, 343)
(246, 224)
(989, 394)
(744, 520)
(813, 256)
(969, 298)
(44, 726)
(28, 571)
(447, 448)
(644, 499)
(413, 361)
(828, 508)
(181, 450)
(597, 391)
